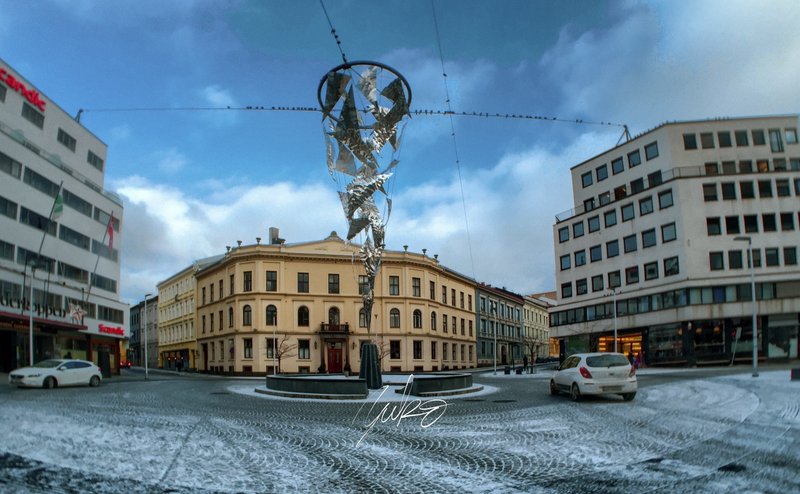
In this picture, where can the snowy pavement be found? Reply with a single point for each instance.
(723, 434)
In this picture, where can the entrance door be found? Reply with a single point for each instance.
(334, 360)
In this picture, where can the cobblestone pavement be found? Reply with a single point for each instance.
(193, 434)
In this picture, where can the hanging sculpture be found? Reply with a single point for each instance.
(360, 116)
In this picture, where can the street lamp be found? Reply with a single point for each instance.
(493, 310)
(145, 336)
(753, 293)
(614, 293)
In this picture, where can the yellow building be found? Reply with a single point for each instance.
(536, 329)
(298, 307)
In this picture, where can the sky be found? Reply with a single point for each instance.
(482, 193)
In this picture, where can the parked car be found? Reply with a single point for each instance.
(57, 372)
(125, 364)
(595, 374)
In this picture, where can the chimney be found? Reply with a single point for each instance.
(274, 236)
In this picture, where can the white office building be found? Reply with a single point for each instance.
(661, 229)
(59, 235)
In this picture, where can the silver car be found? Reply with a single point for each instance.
(595, 374)
(57, 372)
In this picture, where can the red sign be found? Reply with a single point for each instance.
(31, 95)
(111, 330)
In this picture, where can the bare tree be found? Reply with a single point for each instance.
(532, 345)
(283, 349)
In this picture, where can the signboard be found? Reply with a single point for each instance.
(31, 95)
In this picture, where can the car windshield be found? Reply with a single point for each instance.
(48, 363)
(607, 361)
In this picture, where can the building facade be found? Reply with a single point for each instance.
(535, 327)
(60, 235)
(500, 337)
(656, 250)
(292, 308)
(145, 313)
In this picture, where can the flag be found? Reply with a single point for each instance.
(110, 232)
(58, 207)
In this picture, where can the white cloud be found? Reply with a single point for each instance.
(170, 161)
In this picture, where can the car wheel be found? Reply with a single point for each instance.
(575, 392)
(94, 381)
(629, 396)
(49, 383)
(553, 388)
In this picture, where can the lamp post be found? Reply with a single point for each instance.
(494, 332)
(274, 350)
(614, 293)
(145, 337)
(753, 293)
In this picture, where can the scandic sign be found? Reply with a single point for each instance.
(31, 95)
(111, 330)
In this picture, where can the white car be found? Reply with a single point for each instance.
(595, 374)
(56, 372)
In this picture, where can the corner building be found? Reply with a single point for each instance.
(67, 250)
(298, 307)
(657, 245)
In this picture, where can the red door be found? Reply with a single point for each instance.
(334, 360)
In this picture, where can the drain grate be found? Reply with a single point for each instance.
(732, 467)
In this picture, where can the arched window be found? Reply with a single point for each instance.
(394, 318)
(333, 315)
(230, 317)
(247, 316)
(272, 315)
(302, 316)
(362, 318)
(417, 319)
(433, 321)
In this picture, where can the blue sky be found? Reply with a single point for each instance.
(196, 181)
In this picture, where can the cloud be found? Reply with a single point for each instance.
(170, 161)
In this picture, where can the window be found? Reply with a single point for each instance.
(716, 261)
(231, 284)
(775, 140)
(614, 280)
(40, 183)
(751, 223)
(594, 223)
(651, 151)
(728, 167)
(617, 166)
(71, 236)
(747, 190)
(303, 349)
(654, 179)
(632, 275)
(417, 346)
(247, 316)
(10, 166)
(394, 318)
(758, 138)
(444, 323)
(634, 159)
(596, 253)
(394, 349)
(417, 319)
(620, 192)
(782, 188)
(610, 218)
(416, 287)
(728, 191)
(94, 160)
(580, 287)
(712, 169)
(433, 350)
(787, 222)
(724, 139)
(333, 282)
(651, 271)
(629, 243)
(612, 248)
(230, 317)
(272, 281)
(791, 136)
(394, 285)
(707, 140)
(713, 226)
(605, 198)
(648, 238)
(586, 179)
(602, 172)
(768, 222)
(272, 315)
(710, 192)
(2, 93)
(248, 282)
(732, 225)
(762, 166)
(580, 258)
(33, 116)
(665, 199)
(67, 140)
(302, 282)
(566, 290)
(563, 235)
(43, 223)
(734, 259)
(363, 284)
(628, 212)
(790, 254)
(671, 266)
(765, 188)
(637, 185)
(248, 347)
(741, 138)
(577, 229)
(689, 141)
(646, 206)
(756, 258)
(565, 262)
(597, 283)
(588, 204)
(771, 256)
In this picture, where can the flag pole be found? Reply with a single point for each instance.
(58, 199)
(109, 227)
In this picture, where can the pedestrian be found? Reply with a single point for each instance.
(636, 361)
(641, 359)
(525, 363)
(630, 357)
(68, 355)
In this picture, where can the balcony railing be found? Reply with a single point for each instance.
(334, 328)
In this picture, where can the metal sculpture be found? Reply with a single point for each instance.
(360, 116)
